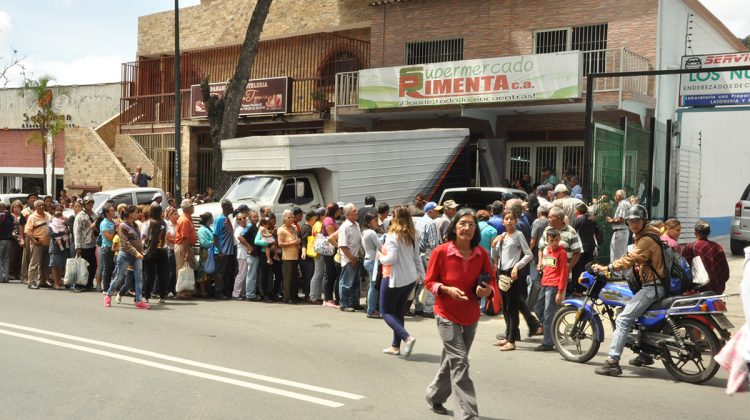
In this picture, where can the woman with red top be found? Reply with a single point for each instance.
(402, 265)
(453, 276)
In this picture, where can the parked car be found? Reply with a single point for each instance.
(135, 195)
(740, 231)
(479, 198)
(7, 199)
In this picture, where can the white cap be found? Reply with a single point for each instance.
(156, 195)
(561, 188)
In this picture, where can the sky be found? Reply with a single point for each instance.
(85, 41)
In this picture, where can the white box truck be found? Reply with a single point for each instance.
(310, 170)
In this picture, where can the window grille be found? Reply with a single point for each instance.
(591, 39)
(434, 51)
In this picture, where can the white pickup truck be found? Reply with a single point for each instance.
(310, 170)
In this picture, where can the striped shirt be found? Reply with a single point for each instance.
(569, 240)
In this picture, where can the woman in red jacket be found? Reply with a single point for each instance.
(458, 275)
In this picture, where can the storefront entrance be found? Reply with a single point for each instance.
(532, 157)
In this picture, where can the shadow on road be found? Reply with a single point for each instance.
(424, 358)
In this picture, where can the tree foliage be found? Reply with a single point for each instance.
(15, 61)
(224, 111)
(746, 41)
(46, 99)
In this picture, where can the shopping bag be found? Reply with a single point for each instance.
(209, 267)
(700, 275)
(185, 279)
(82, 278)
(71, 271)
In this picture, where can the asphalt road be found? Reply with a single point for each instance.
(65, 356)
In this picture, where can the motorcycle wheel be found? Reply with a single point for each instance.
(702, 344)
(581, 348)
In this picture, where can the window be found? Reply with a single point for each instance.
(591, 39)
(434, 51)
(341, 62)
(145, 197)
(123, 198)
(288, 192)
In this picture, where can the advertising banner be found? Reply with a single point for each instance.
(490, 80)
(717, 87)
(262, 96)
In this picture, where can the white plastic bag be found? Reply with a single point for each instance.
(82, 278)
(185, 279)
(700, 275)
(71, 271)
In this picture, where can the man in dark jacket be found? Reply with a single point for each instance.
(590, 236)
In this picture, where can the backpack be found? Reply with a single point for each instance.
(678, 278)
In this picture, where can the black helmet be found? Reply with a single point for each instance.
(636, 212)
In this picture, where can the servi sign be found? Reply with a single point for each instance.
(716, 87)
(502, 79)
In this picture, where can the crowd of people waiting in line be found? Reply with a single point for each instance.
(440, 258)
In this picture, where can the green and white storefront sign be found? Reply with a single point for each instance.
(502, 79)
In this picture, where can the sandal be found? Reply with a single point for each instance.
(391, 352)
(501, 342)
(508, 347)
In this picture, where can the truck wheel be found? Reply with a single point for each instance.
(736, 246)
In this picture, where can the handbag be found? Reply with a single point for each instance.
(209, 266)
(185, 279)
(700, 275)
(503, 281)
(323, 247)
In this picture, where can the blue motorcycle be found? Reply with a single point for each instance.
(678, 330)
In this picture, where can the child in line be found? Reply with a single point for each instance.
(266, 233)
(554, 282)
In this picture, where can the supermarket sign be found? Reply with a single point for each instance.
(503, 79)
(716, 87)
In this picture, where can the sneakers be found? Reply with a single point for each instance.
(409, 346)
(142, 305)
(610, 368)
(641, 360)
(344, 309)
(107, 301)
(118, 299)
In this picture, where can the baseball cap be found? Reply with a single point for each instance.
(430, 206)
(156, 195)
(560, 188)
(448, 204)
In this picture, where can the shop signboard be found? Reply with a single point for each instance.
(262, 96)
(716, 87)
(482, 81)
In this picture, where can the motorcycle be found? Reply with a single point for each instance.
(678, 330)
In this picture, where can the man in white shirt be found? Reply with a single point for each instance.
(349, 242)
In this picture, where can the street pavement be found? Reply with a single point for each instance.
(66, 356)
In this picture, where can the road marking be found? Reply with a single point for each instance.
(188, 362)
(189, 372)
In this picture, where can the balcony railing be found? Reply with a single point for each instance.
(598, 61)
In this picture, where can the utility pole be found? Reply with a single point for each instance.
(177, 108)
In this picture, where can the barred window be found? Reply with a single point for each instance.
(434, 51)
(591, 39)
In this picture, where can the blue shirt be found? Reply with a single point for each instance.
(577, 189)
(223, 232)
(486, 233)
(106, 226)
(523, 225)
(496, 221)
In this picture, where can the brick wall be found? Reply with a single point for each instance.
(217, 23)
(16, 153)
(131, 155)
(108, 130)
(492, 28)
(88, 161)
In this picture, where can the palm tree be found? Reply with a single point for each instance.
(46, 99)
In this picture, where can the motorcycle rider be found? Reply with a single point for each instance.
(647, 257)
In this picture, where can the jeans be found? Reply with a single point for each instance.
(373, 295)
(251, 279)
(349, 286)
(316, 282)
(453, 375)
(330, 276)
(107, 261)
(536, 300)
(548, 293)
(125, 259)
(624, 322)
(5, 245)
(393, 307)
